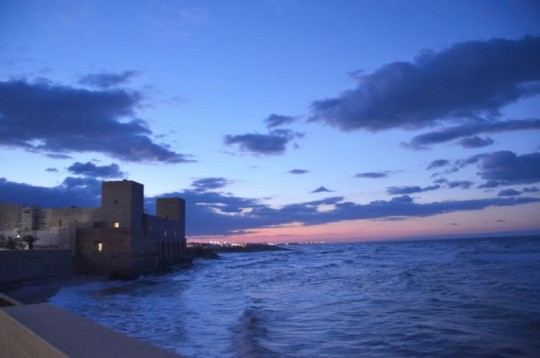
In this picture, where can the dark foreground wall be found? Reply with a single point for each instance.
(17, 265)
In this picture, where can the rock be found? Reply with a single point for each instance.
(124, 274)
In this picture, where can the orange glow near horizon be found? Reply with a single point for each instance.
(492, 220)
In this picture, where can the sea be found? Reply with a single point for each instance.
(444, 298)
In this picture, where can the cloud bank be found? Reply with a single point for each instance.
(274, 143)
(205, 184)
(92, 170)
(469, 131)
(405, 190)
(67, 119)
(508, 168)
(468, 80)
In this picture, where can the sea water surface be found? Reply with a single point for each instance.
(448, 298)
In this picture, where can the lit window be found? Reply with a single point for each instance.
(116, 225)
(100, 246)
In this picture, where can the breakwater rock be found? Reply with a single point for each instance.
(212, 251)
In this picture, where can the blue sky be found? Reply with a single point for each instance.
(279, 120)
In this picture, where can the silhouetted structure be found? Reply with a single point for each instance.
(115, 239)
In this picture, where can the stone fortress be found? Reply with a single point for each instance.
(115, 239)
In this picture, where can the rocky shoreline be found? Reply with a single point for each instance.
(212, 251)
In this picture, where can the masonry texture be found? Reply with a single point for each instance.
(115, 239)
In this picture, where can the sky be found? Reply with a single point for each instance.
(279, 120)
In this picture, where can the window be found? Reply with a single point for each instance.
(116, 201)
(165, 233)
(59, 222)
(116, 225)
(99, 246)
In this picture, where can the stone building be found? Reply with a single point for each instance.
(117, 238)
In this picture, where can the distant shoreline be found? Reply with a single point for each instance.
(212, 251)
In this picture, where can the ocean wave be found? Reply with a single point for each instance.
(430, 298)
(249, 334)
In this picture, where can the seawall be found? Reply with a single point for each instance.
(19, 265)
(43, 330)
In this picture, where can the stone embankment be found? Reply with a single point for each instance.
(43, 330)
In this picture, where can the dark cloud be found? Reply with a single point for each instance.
(205, 184)
(276, 120)
(438, 163)
(404, 190)
(459, 164)
(441, 181)
(470, 130)
(51, 170)
(375, 175)
(274, 143)
(498, 168)
(507, 168)
(56, 156)
(210, 213)
(391, 218)
(463, 184)
(468, 80)
(476, 142)
(531, 190)
(509, 192)
(490, 184)
(321, 189)
(107, 80)
(92, 170)
(72, 192)
(298, 171)
(213, 213)
(53, 119)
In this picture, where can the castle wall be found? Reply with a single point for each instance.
(104, 251)
(115, 237)
(8, 218)
(71, 217)
(56, 238)
(124, 200)
(171, 208)
(169, 236)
